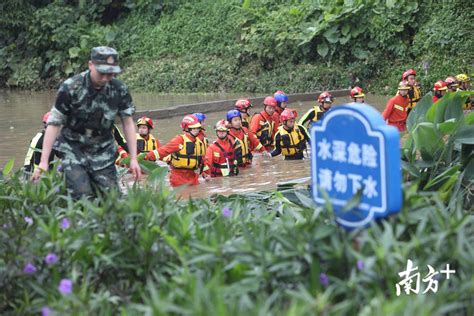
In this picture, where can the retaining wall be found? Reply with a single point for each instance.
(226, 105)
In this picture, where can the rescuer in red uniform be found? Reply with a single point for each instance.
(184, 152)
(222, 155)
(263, 124)
(395, 112)
(248, 141)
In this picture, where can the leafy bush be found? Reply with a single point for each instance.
(368, 43)
(200, 73)
(198, 27)
(443, 137)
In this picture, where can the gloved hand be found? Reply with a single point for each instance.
(235, 168)
(122, 154)
(301, 146)
(150, 156)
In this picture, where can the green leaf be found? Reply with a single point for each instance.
(447, 127)
(343, 40)
(332, 34)
(323, 49)
(441, 178)
(345, 29)
(294, 11)
(353, 202)
(360, 53)
(448, 107)
(465, 135)
(110, 36)
(417, 115)
(246, 4)
(411, 169)
(68, 68)
(469, 119)
(8, 167)
(74, 52)
(391, 3)
(427, 140)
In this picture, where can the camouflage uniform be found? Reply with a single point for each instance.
(87, 115)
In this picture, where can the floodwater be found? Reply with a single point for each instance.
(21, 120)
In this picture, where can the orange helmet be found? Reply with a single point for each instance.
(190, 121)
(357, 92)
(451, 82)
(440, 85)
(222, 126)
(288, 114)
(407, 73)
(403, 85)
(45, 117)
(270, 101)
(145, 121)
(242, 104)
(325, 97)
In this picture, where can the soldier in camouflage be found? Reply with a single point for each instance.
(86, 107)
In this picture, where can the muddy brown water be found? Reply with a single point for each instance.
(21, 114)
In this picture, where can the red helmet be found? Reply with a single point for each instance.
(190, 121)
(270, 101)
(407, 73)
(242, 104)
(357, 92)
(440, 85)
(325, 97)
(222, 125)
(288, 114)
(46, 116)
(145, 121)
(451, 81)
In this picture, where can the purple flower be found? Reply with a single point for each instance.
(29, 268)
(65, 286)
(226, 212)
(45, 311)
(28, 220)
(59, 168)
(324, 279)
(65, 224)
(51, 258)
(360, 264)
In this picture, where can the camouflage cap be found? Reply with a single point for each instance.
(105, 59)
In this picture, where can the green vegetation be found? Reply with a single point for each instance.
(439, 150)
(233, 45)
(262, 253)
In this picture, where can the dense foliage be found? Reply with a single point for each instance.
(259, 253)
(439, 149)
(233, 45)
(256, 254)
